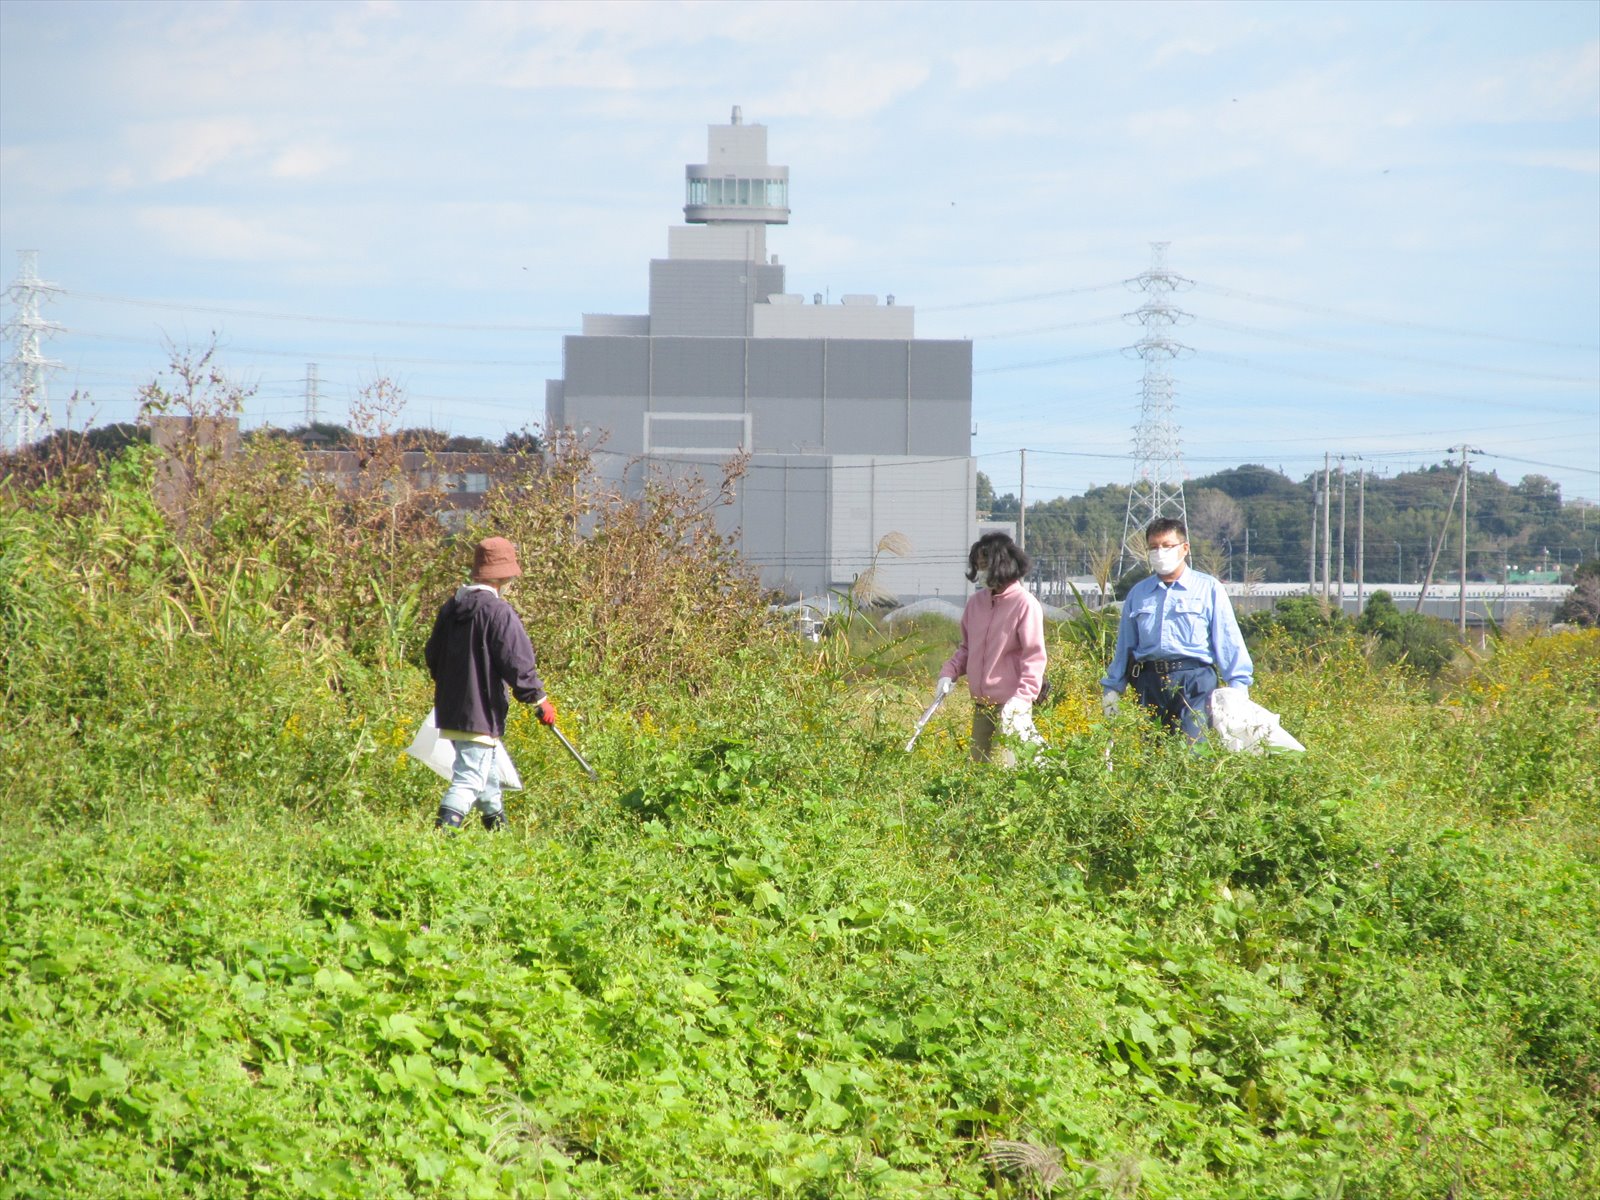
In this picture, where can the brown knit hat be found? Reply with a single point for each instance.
(494, 558)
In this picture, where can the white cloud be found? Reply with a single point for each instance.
(199, 231)
(305, 160)
(626, 47)
(166, 152)
(847, 85)
(662, 24)
(1561, 85)
(1197, 45)
(979, 66)
(1585, 162)
(600, 67)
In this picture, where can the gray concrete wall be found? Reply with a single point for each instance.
(861, 397)
(930, 501)
(789, 320)
(708, 297)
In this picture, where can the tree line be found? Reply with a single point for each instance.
(1252, 520)
(321, 435)
(1245, 522)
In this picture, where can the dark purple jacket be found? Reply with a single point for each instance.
(478, 647)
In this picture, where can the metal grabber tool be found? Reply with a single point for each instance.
(927, 715)
(573, 750)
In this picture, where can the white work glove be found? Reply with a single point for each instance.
(945, 686)
(1016, 720)
(1109, 701)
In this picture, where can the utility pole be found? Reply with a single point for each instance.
(1341, 531)
(1435, 550)
(1461, 600)
(1316, 499)
(1361, 541)
(29, 414)
(1157, 486)
(1327, 529)
(1022, 503)
(1247, 558)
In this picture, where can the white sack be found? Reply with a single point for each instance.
(1241, 724)
(439, 754)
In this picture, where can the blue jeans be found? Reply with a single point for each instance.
(1178, 698)
(474, 781)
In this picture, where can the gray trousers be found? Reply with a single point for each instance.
(474, 781)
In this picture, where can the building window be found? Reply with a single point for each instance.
(777, 193)
(696, 433)
(744, 191)
(697, 191)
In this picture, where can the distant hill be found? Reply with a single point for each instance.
(1520, 526)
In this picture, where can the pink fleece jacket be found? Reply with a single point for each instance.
(1002, 646)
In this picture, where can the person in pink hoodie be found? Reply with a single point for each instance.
(1001, 651)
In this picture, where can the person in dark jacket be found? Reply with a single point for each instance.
(477, 650)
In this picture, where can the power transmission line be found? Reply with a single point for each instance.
(301, 354)
(1376, 388)
(456, 327)
(1027, 298)
(1323, 310)
(1346, 348)
(1528, 462)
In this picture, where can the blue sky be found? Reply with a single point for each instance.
(1390, 212)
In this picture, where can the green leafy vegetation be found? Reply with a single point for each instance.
(1303, 628)
(770, 954)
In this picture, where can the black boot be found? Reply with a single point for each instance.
(495, 820)
(448, 820)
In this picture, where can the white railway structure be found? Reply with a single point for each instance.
(1537, 593)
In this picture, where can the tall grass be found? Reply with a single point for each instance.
(770, 954)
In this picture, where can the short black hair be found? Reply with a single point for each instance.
(1165, 525)
(1008, 562)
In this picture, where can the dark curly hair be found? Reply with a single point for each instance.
(1007, 561)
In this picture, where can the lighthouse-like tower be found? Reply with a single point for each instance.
(852, 426)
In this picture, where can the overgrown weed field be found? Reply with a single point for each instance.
(769, 954)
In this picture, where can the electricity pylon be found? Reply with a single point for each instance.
(28, 409)
(1157, 486)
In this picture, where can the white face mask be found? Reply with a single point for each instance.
(1164, 560)
(982, 578)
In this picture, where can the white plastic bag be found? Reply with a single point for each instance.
(1240, 724)
(439, 754)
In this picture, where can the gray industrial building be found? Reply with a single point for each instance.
(855, 427)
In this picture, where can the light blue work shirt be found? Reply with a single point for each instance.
(1191, 617)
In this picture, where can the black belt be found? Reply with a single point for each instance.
(1166, 666)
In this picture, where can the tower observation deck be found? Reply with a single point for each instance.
(738, 185)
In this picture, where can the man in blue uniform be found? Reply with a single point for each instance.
(1177, 635)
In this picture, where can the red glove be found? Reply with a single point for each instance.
(546, 708)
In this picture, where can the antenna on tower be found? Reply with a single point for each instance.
(28, 411)
(1157, 486)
